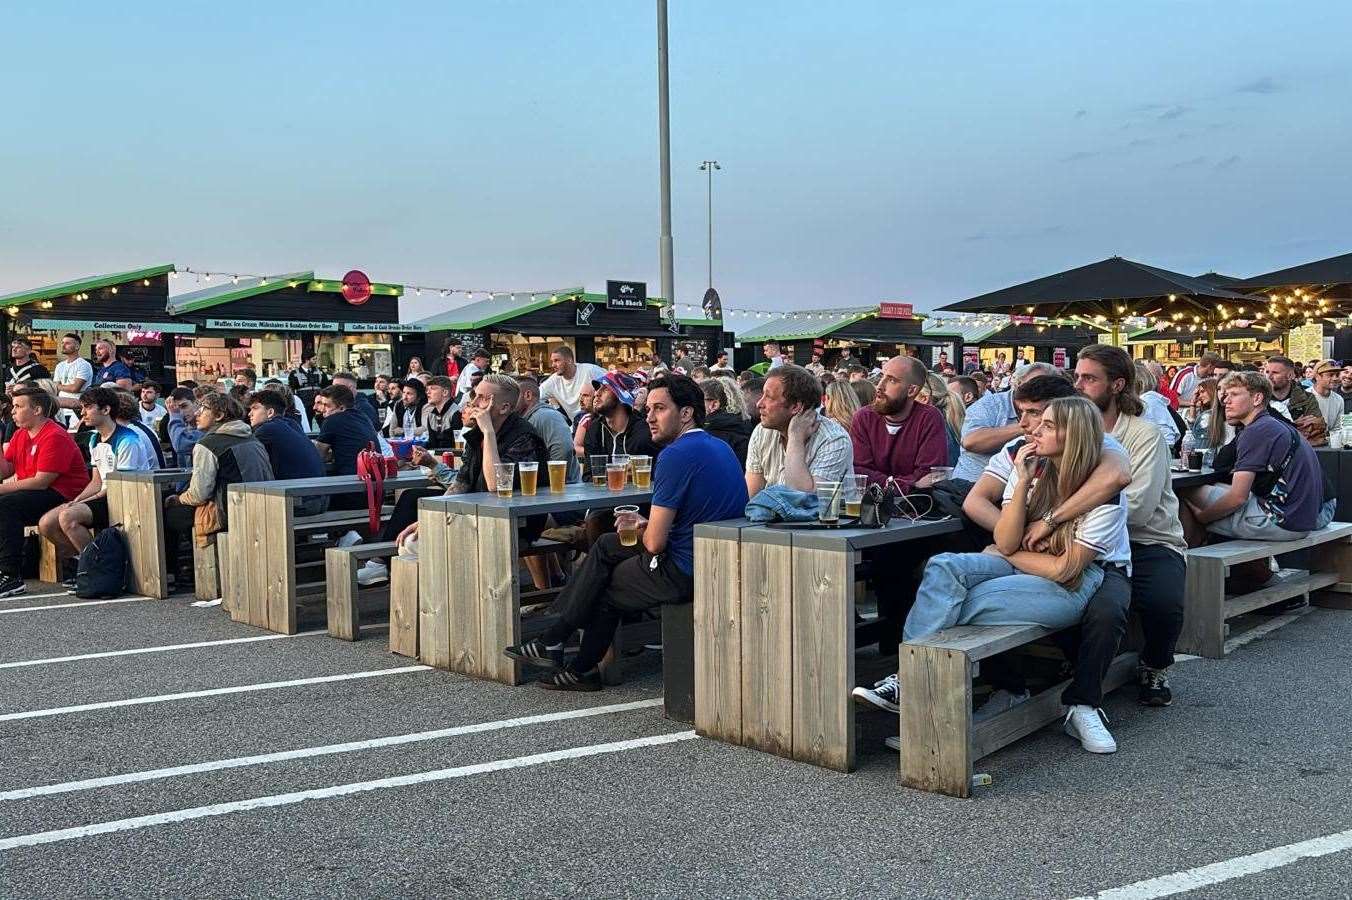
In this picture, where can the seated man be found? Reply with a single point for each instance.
(1276, 487)
(991, 423)
(696, 480)
(360, 402)
(343, 434)
(794, 444)
(290, 452)
(177, 428)
(112, 447)
(896, 437)
(441, 416)
(47, 472)
(495, 434)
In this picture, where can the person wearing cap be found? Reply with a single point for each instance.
(614, 428)
(478, 364)
(1331, 403)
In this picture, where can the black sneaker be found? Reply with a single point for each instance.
(69, 584)
(1153, 687)
(567, 679)
(12, 586)
(534, 652)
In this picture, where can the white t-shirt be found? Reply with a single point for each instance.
(462, 383)
(567, 392)
(66, 372)
(124, 451)
(151, 417)
(1103, 529)
(1157, 413)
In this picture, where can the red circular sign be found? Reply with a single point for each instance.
(356, 287)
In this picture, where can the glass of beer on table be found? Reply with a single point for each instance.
(503, 473)
(617, 473)
(626, 523)
(558, 471)
(530, 474)
(643, 471)
(460, 439)
(598, 468)
(855, 487)
(625, 459)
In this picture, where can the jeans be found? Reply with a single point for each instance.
(614, 580)
(1326, 511)
(984, 589)
(18, 509)
(1156, 591)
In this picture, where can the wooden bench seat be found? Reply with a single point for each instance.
(1208, 607)
(340, 570)
(939, 740)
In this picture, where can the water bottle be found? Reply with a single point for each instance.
(1189, 444)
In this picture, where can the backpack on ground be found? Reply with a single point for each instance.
(104, 566)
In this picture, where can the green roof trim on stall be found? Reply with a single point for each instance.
(82, 285)
(230, 291)
(335, 286)
(807, 326)
(502, 307)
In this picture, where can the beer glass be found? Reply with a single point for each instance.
(829, 496)
(626, 523)
(558, 471)
(643, 471)
(855, 486)
(460, 439)
(504, 473)
(622, 458)
(616, 475)
(530, 473)
(598, 468)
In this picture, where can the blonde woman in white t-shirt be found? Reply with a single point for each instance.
(1008, 585)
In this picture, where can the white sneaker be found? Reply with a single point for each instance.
(350, 539)
(999, 701)
(372, 572)
(1089, 726)
(886, 694)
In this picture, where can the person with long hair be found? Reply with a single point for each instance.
(415, 367)
(841, 403)
(1208, 426)
(935, 393)
(735, 399)
(865, 390)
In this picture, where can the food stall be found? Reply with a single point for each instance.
(868, 332)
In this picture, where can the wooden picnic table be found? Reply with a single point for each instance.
(469, 589)
(136, 502)
(261, 586)
(775, 634)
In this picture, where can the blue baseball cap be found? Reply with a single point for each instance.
(622, 386)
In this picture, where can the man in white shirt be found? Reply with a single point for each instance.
(1330, 401)
(772, 353)
(73, 375)
(478, 362)
(564, 388)
(794, 445)
(150, 409)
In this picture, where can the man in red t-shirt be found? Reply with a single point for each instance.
(47, 471)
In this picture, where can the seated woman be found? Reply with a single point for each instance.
(1207, 423)
(935, 392)
(1008, 585)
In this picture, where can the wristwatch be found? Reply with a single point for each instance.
(1049, 519)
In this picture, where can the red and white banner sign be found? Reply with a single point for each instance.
(896, 311)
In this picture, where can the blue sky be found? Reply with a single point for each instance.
(904, 150)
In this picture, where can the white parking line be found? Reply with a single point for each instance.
(34, 596)
(341, 790)
(87, 784)
(47, 661)
(214, 692)
(69, 605)
(1227, 870)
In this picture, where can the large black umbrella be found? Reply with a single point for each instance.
(1325, 273)
(1110, 290)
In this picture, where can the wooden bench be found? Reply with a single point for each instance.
(268, 542)
(340, 574)
(1208, 607)
(48, 570)
(775, 631)
(469, 584)
(939, 739)
(136, 502)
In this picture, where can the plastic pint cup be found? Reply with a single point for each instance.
(558, 471)
(598, 468)
(504, 473)
(530, 474)
(617, 473)
(830, 495)
(626, 523)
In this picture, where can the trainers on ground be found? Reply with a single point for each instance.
(1088, 726)
(371, 572)
(12, 586)
(69, 584)
(351, 539)
(567, 679)
(893, 742)
(535, 652)
(1152, 687)
(999, 701)
(886, 694)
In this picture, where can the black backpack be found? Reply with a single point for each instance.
(104, 566)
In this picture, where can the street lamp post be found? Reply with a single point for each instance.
(664, 144)
(711, 166)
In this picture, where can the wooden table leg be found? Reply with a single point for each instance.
(138, 506)
(823, 657)
(718, 634)
(767, 642)
(499, 597)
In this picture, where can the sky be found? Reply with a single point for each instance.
(911, 151)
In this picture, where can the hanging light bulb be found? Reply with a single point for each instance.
(173, 275)
(206, 276)
(235, 280)
(114, 290)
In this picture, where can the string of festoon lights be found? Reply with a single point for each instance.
(206, 278)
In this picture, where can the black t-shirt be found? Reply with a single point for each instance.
(29, 371)
(347, 432)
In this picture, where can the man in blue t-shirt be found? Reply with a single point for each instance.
(291, 453)
(697, 479)
(1276, 489)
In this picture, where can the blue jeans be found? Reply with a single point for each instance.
(984, 589)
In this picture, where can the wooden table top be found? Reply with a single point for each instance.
(575, 498)
(331, 484)
(1193, 479)
(843, 539)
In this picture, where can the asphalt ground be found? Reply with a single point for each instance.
(499, 791)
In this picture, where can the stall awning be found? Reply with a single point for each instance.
(81, 285)
(803, 326)
(234, 289)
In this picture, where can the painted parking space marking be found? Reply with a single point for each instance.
(341, 790)
(136, 651)
(87, 784)
(213, 692)
(24, 609)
